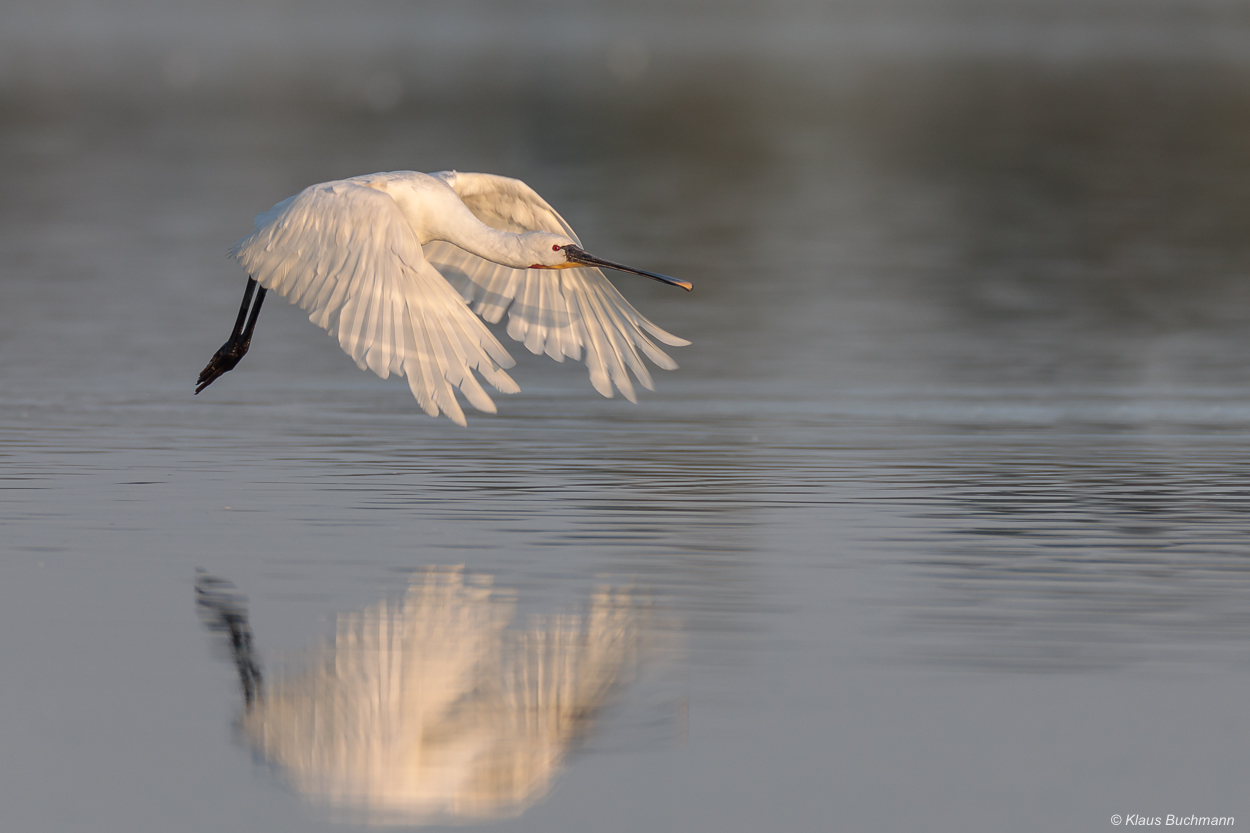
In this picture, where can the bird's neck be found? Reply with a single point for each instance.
(500, 247)
(445, 217)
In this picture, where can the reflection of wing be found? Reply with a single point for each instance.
(345, 253)
(430, 709)
(559, 312)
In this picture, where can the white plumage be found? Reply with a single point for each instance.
(394, 265)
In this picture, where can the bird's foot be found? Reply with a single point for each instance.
(223, 361)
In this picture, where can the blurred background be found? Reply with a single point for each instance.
(941, 524)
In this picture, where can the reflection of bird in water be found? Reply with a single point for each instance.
(429, 709)
(370, 258)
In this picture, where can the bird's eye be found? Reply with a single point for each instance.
(555, 248)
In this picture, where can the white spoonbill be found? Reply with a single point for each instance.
(390, 263)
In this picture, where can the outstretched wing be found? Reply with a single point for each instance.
(344, 252)
(560, 312)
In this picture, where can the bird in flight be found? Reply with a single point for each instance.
(394, 265)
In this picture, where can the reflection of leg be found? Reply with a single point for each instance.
(224, 611)
(240, 339)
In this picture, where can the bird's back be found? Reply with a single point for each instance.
(428, 202)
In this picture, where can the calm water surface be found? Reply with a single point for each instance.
(941, 525)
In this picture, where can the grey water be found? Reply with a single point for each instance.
(942, 524)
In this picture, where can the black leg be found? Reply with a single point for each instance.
(247, 302)
(251, 321)
(240, 339)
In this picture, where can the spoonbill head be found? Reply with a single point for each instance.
(554, 251)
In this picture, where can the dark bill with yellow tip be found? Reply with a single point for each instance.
(580, 257)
